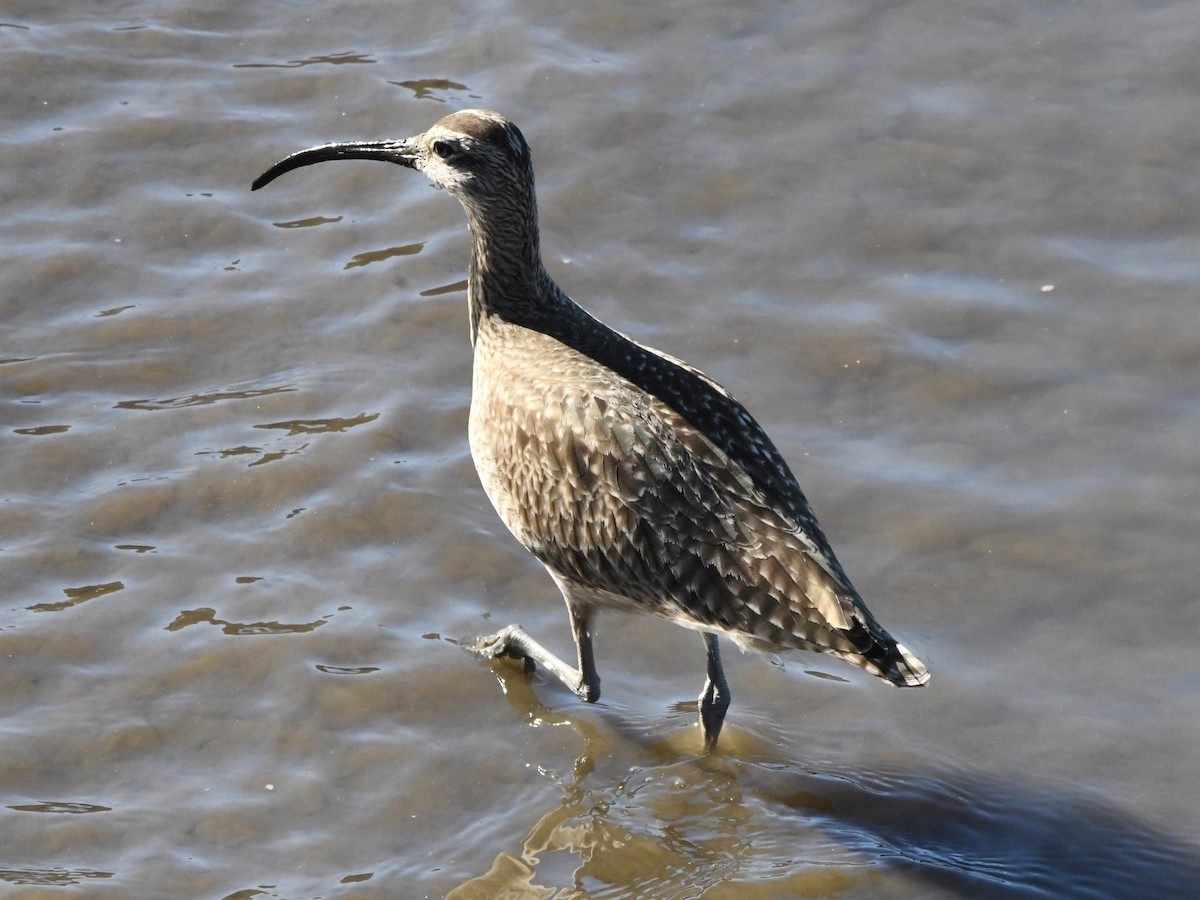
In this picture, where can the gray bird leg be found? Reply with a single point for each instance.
(714, 701)
(516, 643)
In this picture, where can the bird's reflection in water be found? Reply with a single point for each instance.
(645, 813)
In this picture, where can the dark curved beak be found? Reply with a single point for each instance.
(402, 153)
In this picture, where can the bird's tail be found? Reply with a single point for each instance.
(884, 657)
(906, 670)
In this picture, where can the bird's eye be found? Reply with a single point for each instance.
(443, 149)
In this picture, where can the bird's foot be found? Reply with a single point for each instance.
(711, 729)
(504, 644)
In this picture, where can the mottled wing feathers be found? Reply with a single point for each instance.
(700, 401)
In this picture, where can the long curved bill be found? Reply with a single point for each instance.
(402, 153)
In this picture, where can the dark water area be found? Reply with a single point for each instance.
(947, 254)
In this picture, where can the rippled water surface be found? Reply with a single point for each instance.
(949, 255)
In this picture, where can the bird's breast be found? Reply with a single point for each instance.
(545, 443)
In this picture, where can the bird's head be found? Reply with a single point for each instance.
(477, 155)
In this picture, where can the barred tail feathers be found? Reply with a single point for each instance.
(884, 657)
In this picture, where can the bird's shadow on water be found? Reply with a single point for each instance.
(644, 813)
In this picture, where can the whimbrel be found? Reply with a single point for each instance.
(640, 483)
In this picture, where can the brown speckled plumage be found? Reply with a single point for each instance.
(637, 480)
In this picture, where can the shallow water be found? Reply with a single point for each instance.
(946, 253)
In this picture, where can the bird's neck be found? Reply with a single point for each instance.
(507, 278)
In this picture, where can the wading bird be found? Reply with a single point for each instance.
(635, 479)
